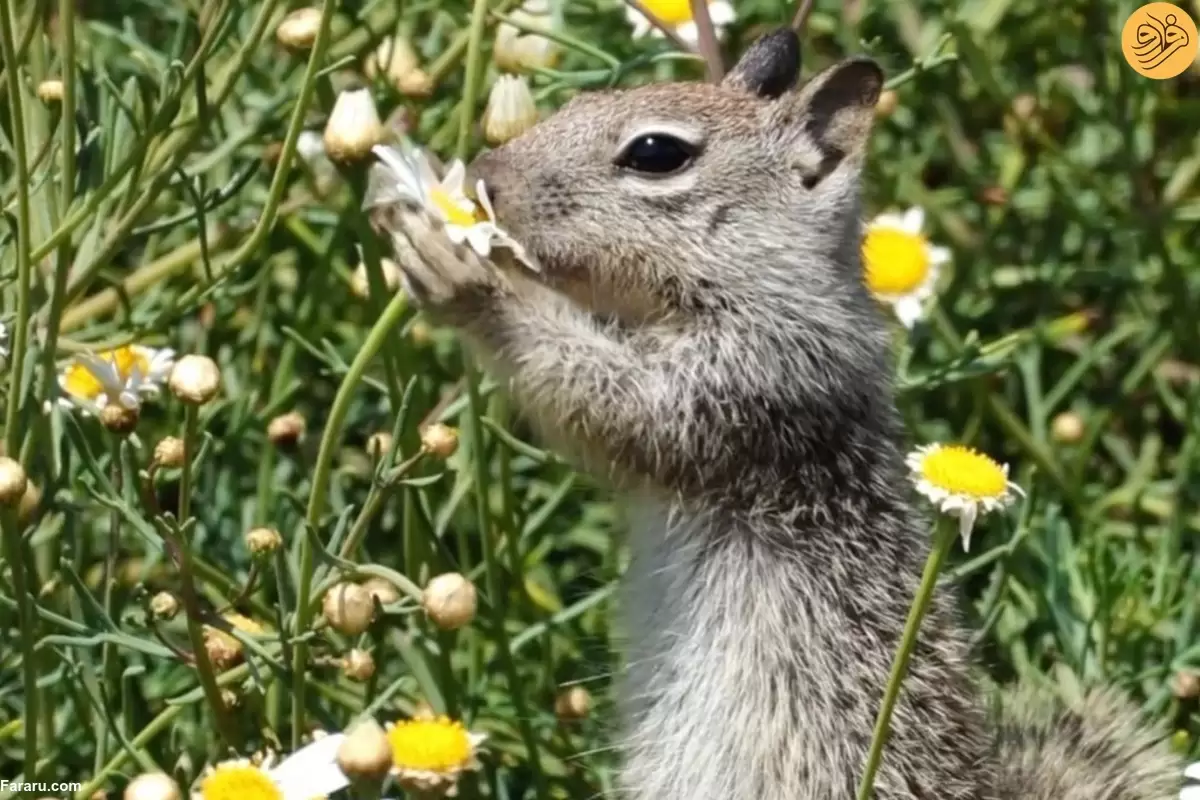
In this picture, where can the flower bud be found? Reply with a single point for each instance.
(169, 452)
(263, 541)
(12, 481)
(1067, 428)
(510, 110)
(450, 600)
(573, 704)
(119, 419)
(1186, 685)
(358, 665)
(382, 590)
(365, 754)
(224, 649)
(164, 605)
(50, 91)
(887, 103)
(440, 441)
(393, 59)
(379, 444)
(353, 127)
(299, 29)
(360, 282)
(152, 786)
(195, 379)
(287, 430)
(348, 608)
(417, 84)
(517, 51)
(29, 502)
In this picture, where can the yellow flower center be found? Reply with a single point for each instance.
(451, 210)
(436, 745)
(239, 782)
(961, 470)
(672, 12)
(78, 380)
(896, 262)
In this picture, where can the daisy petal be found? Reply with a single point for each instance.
(914, 219)
(311, 771)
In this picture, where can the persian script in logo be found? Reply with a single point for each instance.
(1159, 40)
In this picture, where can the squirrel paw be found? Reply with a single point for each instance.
(439, 275)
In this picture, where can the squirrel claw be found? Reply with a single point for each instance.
(438, 274)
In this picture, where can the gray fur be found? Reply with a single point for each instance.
(705, 341)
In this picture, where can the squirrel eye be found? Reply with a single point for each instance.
(656, 153)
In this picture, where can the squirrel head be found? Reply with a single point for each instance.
(650, 200)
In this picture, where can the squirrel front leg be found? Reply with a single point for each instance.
(633, 399)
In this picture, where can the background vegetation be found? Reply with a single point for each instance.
(167, 207)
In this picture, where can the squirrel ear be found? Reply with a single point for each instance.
(770, 67)
(838, 105)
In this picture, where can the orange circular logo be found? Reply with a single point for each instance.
(1159, 40)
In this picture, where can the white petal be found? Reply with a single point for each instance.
(453, 182)
(688, 32)
(890, 220)
(1190, 793)
(966, 523)
(938, 255)
(484, 200)
(457, 233)
(908, 310)
(310, 145)
(312, 770)
(914, 219)
(722, 13)
(480, 238)
(1192, 771)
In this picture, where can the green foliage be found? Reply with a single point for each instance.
(161, 201)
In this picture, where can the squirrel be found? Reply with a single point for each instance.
(700, 337)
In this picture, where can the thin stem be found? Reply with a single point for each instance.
(16, 563)
(706, 35)
(316, 501)
(945, 533)
(657, 22)
(16, 112)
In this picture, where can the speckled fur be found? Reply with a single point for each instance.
(706, 343)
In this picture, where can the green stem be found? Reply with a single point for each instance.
(316, 501)
(16, 112)
(945, 533)
(16, 563)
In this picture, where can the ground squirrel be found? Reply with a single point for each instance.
(700, 336)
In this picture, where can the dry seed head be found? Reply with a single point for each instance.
(510, 110)
(1067, 428)
(152, 786)
(440, 441)
(365, 754)
(1186, 685)
(420, 333)
(169, 452)
(299, 29)
(382, 590)
(887, 103)
(29, 502)
(348, 608)
(1024, 106)
(50, 91)
(195, 379)
(119, 419)
(379, 444)
(287, 429)
(13, 482)
(573, 704)
(164, 605)
(358, 665)
(263, 541)
(353, 127)
(450, 600)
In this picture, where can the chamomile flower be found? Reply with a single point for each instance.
(429, 754)
(901, 265)
(677, 14)
(308, 773)
(123, 376)
(961, 482)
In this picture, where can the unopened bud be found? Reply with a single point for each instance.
(510, 110)
(287, 430)
(887, 103)
(358, 665)
(12, 481)
(417, 83)
(1024, 106)
(348, 608)
(517, 51)
(353, 127)
(195, 379)
(379, 444)
(169, 452)
(152, 786)
(450, 600)
(1067, 428)
(164, 605)
(50, 91)
(29, 502)
(263, 541)
(365, 755)
(299, 29)
(440, 441)
(573, 704)
(1186, 685)
(119, 419)
(382, 590)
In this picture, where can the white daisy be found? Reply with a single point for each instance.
(1191, 789)
(310, 772)
(123, 376)
(961, 482)
(677, 14)
(900, 265)
(430, 753)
